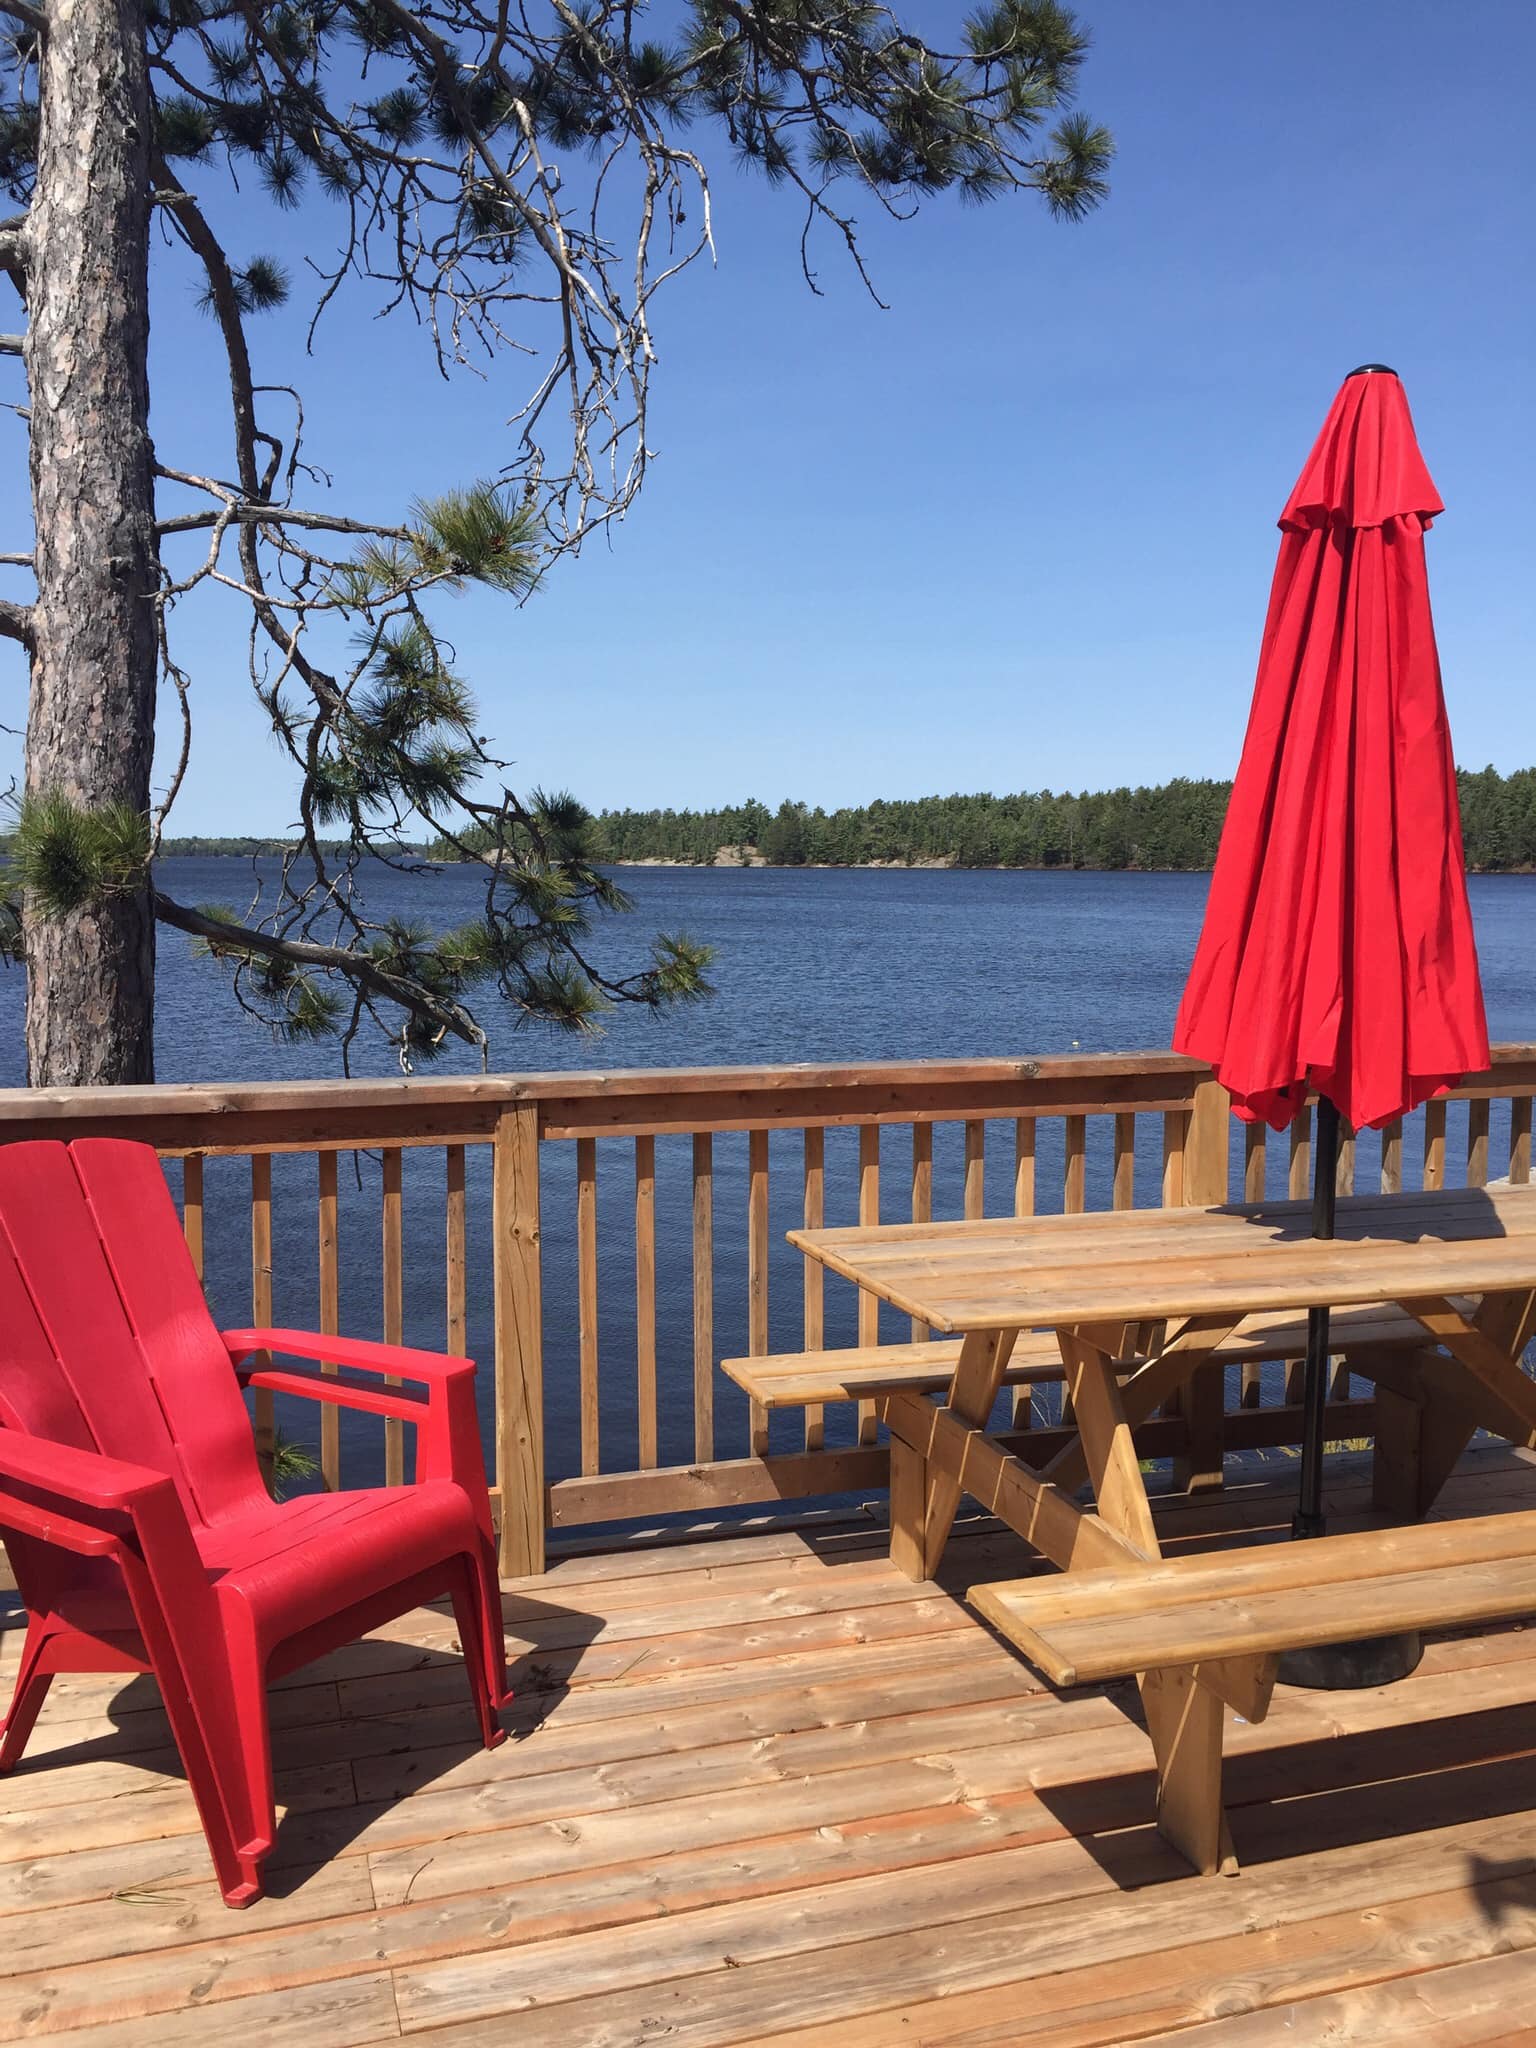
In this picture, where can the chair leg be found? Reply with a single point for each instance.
(483, 1646)
(31, 1689)
(488, 1593)
(205, 1743)
(252, 1740)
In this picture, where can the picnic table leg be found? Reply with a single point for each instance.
(1105, 1432)
(1429, 1404)
(1201, 1401)
(1488, 1345)
(1167, 1369)
(909, 1487)
(1184, 1721)
(923, 1515)
(1183, 1716)
(1425, 1418)
(1397, 1454)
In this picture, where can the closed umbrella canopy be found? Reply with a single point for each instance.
(1337, 950)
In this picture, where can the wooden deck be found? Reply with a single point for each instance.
(765, 1788)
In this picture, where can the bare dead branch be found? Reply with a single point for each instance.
(16, 623)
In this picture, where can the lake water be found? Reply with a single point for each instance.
(825, 964)
(811, 965)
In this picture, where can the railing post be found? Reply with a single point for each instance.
(1202, 1401)
(519, 1346)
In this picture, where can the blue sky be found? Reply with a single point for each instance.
(1018, 530)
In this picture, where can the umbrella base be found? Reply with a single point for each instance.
(1349, 1667)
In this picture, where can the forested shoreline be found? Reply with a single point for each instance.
(1174, 825)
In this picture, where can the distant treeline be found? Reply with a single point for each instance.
(244, 849)
(1175, 825)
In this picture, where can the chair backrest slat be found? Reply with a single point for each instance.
(157, 1284)
(35, 1395)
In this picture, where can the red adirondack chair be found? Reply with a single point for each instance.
(133, 1508)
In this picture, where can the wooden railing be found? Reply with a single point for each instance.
(600, 1241)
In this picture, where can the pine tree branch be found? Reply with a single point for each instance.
(275, 515)
(358, 968)
(12, 344)
(24, 11)
(13, 254)
(16, 623)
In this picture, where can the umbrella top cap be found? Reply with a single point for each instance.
(1365, 468)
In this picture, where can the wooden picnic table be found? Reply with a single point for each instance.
(1137, 1299)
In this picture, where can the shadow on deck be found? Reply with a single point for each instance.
(763, 1788)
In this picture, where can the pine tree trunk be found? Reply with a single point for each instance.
(90, 724)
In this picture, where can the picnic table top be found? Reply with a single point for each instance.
(1034, 1272)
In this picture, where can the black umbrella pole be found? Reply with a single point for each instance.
(1377, 1660)
(1308, 1519)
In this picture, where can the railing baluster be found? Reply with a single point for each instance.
(1299, 1172)
(394, 1304)
(1024, 1166)
(1175, 1130)
(1477, 1142)
(922, 1199)
(869, 1213)
(1392, 1157)
(1074, 1187)
(328, 1251)
(261, 1298)
(1344, 1183)
(975, 1168)
(1123, 1192)
(456, 1253)
(814, 1211)
(1298, 1184)
(1255, 1171)
(757, 1274)
(1520, 1140)
(1024, 1205)
(645, 1300)
(704, 1295)
(586, 1298)
(1434, 1143)
(1255, 1162)
(192, 1208)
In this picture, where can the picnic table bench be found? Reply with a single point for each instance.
(1361, 1337)
(1135, 1303)
(1086, 1627)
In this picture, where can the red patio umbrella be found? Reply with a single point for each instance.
(1337, 950)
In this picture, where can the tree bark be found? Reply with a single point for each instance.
(90, 725)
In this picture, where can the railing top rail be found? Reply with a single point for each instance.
(436, 1110)
(29, 1104)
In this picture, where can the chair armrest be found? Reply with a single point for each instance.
(448, 1446)
(360, 1353)
(76, 1477)
(78, 1500)
(397, 1402)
